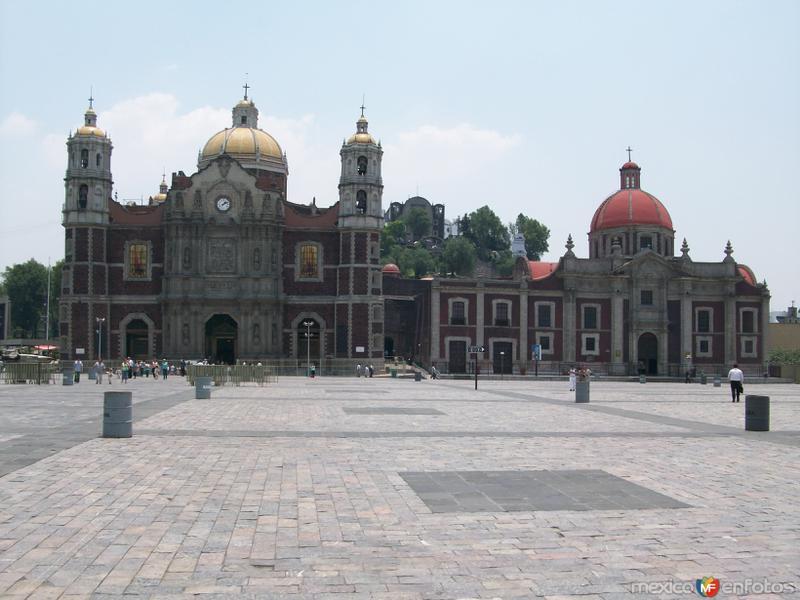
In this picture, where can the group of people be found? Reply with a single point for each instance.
(365, 371)
(575, 373)
(131, 369)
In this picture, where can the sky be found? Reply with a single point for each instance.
(526, 107)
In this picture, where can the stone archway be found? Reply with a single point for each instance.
(647, 353)
(222, 333)
(137, 335)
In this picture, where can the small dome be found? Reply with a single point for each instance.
(630, 207)
(361, 138)
(747, 274)
(391, 270)
(242, 142)
(630, 165)
(245, 103)
(89, 130)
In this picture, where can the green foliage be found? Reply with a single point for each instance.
(418, 223)
(536, 236)
(485, 229)
(503, 263)
(25, 284)
(458, 257)
(779, 356)
(391, 235)
(415, 262)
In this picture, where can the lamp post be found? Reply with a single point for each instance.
(100, 321)
(502, 364)
(307, 324)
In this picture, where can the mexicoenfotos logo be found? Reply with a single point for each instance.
(708, 587)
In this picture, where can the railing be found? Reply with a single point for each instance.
(37, 373)
(232, 374)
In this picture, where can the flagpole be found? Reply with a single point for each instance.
(47, 321)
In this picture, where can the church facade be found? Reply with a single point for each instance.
(221, 265)
(631, 307)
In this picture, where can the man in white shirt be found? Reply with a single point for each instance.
(736, 377)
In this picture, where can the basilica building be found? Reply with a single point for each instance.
(632, 306)
(220, 264)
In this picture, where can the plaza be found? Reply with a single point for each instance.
(394, 489)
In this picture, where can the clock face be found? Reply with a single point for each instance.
(223, 204)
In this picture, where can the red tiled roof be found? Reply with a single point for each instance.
(324, 219)
(136, 214)
(747, 274)
(541, 270)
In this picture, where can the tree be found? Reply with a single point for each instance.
(458, 256)
(26, 285)
(393, 234)
(415, 262)
(779, 356)
(536, 236)
(418, 222)
(485, 229)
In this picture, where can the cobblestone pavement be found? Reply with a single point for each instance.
(279, 492)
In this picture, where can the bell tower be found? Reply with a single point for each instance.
(359, 305)
(85, 217)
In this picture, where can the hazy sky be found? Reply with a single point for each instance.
(524, 106)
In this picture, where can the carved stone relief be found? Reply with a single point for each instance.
(221, 255)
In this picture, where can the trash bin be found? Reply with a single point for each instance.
(117, 414)
(642, 379)
(92, 375)
(69, 376)
(393, 372)
(717, 381)
(202, 389)
(417, 376)
(756, 413)
(582, 391)
(703, 379)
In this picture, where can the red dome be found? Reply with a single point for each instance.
(747, 274)
(630, 165)
(391, 269)
(630, 207)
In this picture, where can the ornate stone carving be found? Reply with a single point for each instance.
(256, 333)
(185, 334)
(221, 255)
(187, 258)
(257, 259)
(198, 199)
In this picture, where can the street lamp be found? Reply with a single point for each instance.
(502, 364)
(307, 324)
(100, 321)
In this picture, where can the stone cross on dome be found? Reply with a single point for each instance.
(91, 99)
(362, 104)
(246, 87)
(629, 150)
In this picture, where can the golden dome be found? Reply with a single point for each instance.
(245, 103)
(243, 142)
(159, 198)
(89, 130)
(361, 138)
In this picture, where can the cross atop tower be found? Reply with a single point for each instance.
(246, 87)
(362, 104)
(90, 97)
(629, 150)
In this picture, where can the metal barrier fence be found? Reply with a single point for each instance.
(36, 373)
(232, 374)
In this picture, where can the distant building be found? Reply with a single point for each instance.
(436, 212)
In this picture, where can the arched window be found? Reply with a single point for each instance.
(361, 202)
(83, 195)
(98, 159)
(362, 165)
(84, 158)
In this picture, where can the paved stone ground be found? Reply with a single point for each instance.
(300, 490)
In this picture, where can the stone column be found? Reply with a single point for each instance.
(617, 320)
(479, 324)
(762, 340)
(686, 330)
(730, 329)
(435, 316)
(569, 325)
(523, 326)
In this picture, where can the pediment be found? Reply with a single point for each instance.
(649, 265)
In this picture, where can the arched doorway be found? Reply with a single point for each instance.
(136, 338)
(648, 354)
(308, 341)
(221, 334)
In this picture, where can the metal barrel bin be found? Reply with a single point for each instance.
(642, 379)
(202, 388)
(68, 376)
(581, 392)
(417, 376)
(117, 414)
(717, 381)
(756, 413)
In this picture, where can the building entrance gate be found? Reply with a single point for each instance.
(221, 335)
(648, 353)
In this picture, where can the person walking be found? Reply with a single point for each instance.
(736, 378)
(78, 369)
(99, 369)
(573, 374)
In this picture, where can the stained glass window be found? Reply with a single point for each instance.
(137, 261)
(308, 261)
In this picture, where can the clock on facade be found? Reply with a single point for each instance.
(223, 204)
